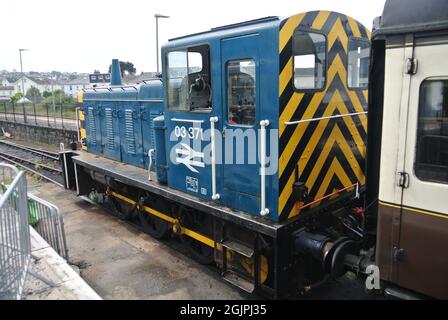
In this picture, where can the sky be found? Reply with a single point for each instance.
(84, 35)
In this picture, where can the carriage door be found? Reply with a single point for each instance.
(420, 255)
(241, 103)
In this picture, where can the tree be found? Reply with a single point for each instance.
(46, 94)
(33, 94)
(125, 66)
(56, 74)
(60, 98)
(16, 97)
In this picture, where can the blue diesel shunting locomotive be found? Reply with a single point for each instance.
(259, 131)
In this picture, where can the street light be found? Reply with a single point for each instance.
(157, 16)
(23, 88)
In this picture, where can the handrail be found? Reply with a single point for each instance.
(263, 210)
(325, 118)
(78, 128)
(213, 120)
(187, 120)
(12, 185)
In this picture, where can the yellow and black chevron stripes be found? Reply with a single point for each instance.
(83, 132)
(330, 153)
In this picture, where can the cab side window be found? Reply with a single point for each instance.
(188, 79)
(432, 132)
(358, 63)
(309, 54)
(241, 92)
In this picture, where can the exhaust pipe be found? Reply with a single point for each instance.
(115, 76)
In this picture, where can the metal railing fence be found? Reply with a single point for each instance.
(15, 244)
(58, 116)
(49, 223)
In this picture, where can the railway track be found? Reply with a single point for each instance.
(36, 161)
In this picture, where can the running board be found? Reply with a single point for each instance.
(238, 281)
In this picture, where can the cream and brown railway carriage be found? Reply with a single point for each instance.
(408, 144)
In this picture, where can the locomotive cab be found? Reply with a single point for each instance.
(256, 109)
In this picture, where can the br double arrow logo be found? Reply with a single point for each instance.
(189, 157)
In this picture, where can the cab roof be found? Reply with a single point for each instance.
(230, 26)
(407, 16)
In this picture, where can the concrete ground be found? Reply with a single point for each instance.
(50, 277)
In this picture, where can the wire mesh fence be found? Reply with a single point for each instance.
(54, 116)
(19, 210)
(15, 245)
(49, 223)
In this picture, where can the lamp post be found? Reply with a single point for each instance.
(157, 16)
(52, 100)
(23, 83)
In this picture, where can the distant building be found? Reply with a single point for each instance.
(11, 83)
(99, 78)
(7, 81)
(43, 84)
(72, 87)
(134, 79)
(6, 92)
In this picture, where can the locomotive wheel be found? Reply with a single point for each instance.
(200, 252)
(120, 209)
(155, 227)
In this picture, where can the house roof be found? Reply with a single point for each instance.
(139, 78)
(9, 79)
(39, 80)
(78, 80)
(6, 88)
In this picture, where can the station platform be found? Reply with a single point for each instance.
(66, 284)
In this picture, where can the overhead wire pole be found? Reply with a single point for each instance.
(23, 84)
(157, 16)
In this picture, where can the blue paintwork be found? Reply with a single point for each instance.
(115, 77)
(108, 117)
(238, 185)
(160, 157)
(130, 125)
(92, 111)
(151, 97)
(130, 110)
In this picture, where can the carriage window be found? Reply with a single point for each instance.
(432, 133)
(309, 51)
(188, 78)
(241, 93)
(358, 63)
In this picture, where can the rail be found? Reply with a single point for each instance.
(15, 244)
